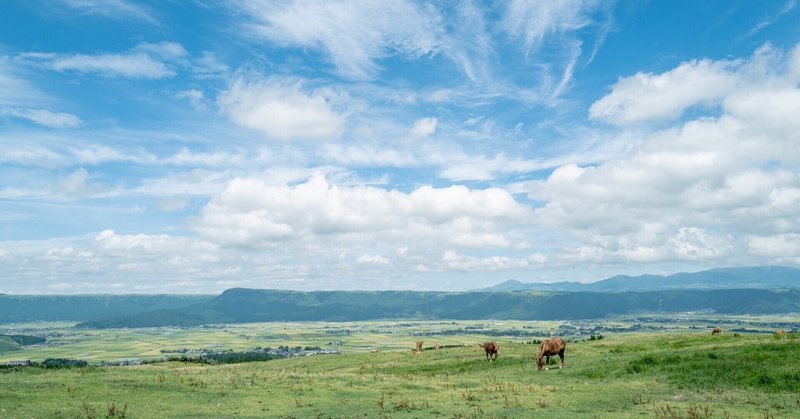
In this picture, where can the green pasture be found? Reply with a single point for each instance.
(669, 374)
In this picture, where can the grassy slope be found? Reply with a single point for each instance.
(666, 375)
(8, 345)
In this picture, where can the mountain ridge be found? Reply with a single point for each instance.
(758, 277)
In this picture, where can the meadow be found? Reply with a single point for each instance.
(646, 367)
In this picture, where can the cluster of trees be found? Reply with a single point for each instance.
(258, 354)
(25, 339)
(227, 357)
(52, 363)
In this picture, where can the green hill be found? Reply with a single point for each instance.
(241, 305)
(8, 345)
(24, 308)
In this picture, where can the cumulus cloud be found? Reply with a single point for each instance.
(424, 127)
(646, 97)
(251, 212)
(354, 34)
(768, 77)
(711, 189)
(282, 109)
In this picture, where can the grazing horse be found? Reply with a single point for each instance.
(436, 346)
(419, 345)
(780, 333)
(555, 346)
(717, 331)
(492, 350)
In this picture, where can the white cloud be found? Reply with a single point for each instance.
(135, 65)
(696, 192)
(194, 96)
(779, 247)
(372, 260)
(78, 184)
(131, 246)
(354, 34)
(424, 127)
(250, 212)
(44, 117)
(144, 61)
(533, 21)
(168, 51)
(771, 19)
(769, 78)
(117, 9)
(281, 109)
(647, 97)
(552, 28)
(368, 155)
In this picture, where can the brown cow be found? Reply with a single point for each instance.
(492, 350)
(717, 331)
(419, 345)
(554, 346)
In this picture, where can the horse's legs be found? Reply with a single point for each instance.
(561, 355)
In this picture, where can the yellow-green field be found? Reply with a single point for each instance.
(677, 372)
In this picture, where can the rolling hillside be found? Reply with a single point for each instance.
(240, 305)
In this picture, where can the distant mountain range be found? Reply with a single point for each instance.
(761, 290)
(26, 308)
(240, 305)
(762, 277)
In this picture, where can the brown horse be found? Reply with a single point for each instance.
(492, 350)
(555, 346)
(780, 333)
(419, 345)
(717, 331)
(436, 346)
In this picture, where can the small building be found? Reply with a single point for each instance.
(19, 363)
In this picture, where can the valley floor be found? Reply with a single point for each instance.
(673, 373)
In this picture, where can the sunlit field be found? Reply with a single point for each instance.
(649, 367)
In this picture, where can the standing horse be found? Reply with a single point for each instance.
(717, 331)
(555, 346)
(492, 350)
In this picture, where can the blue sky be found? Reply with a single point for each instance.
(194, 146)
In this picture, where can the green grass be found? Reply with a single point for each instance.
(8, 345)
(625, 375)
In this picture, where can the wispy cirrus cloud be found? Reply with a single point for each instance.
(556, 27)
(770, 19)
(114, 9)
(44, 117)
(354, 34)
(144, 61)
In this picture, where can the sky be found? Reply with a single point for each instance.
(194, 146)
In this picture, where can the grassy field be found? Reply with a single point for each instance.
(677, 373)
